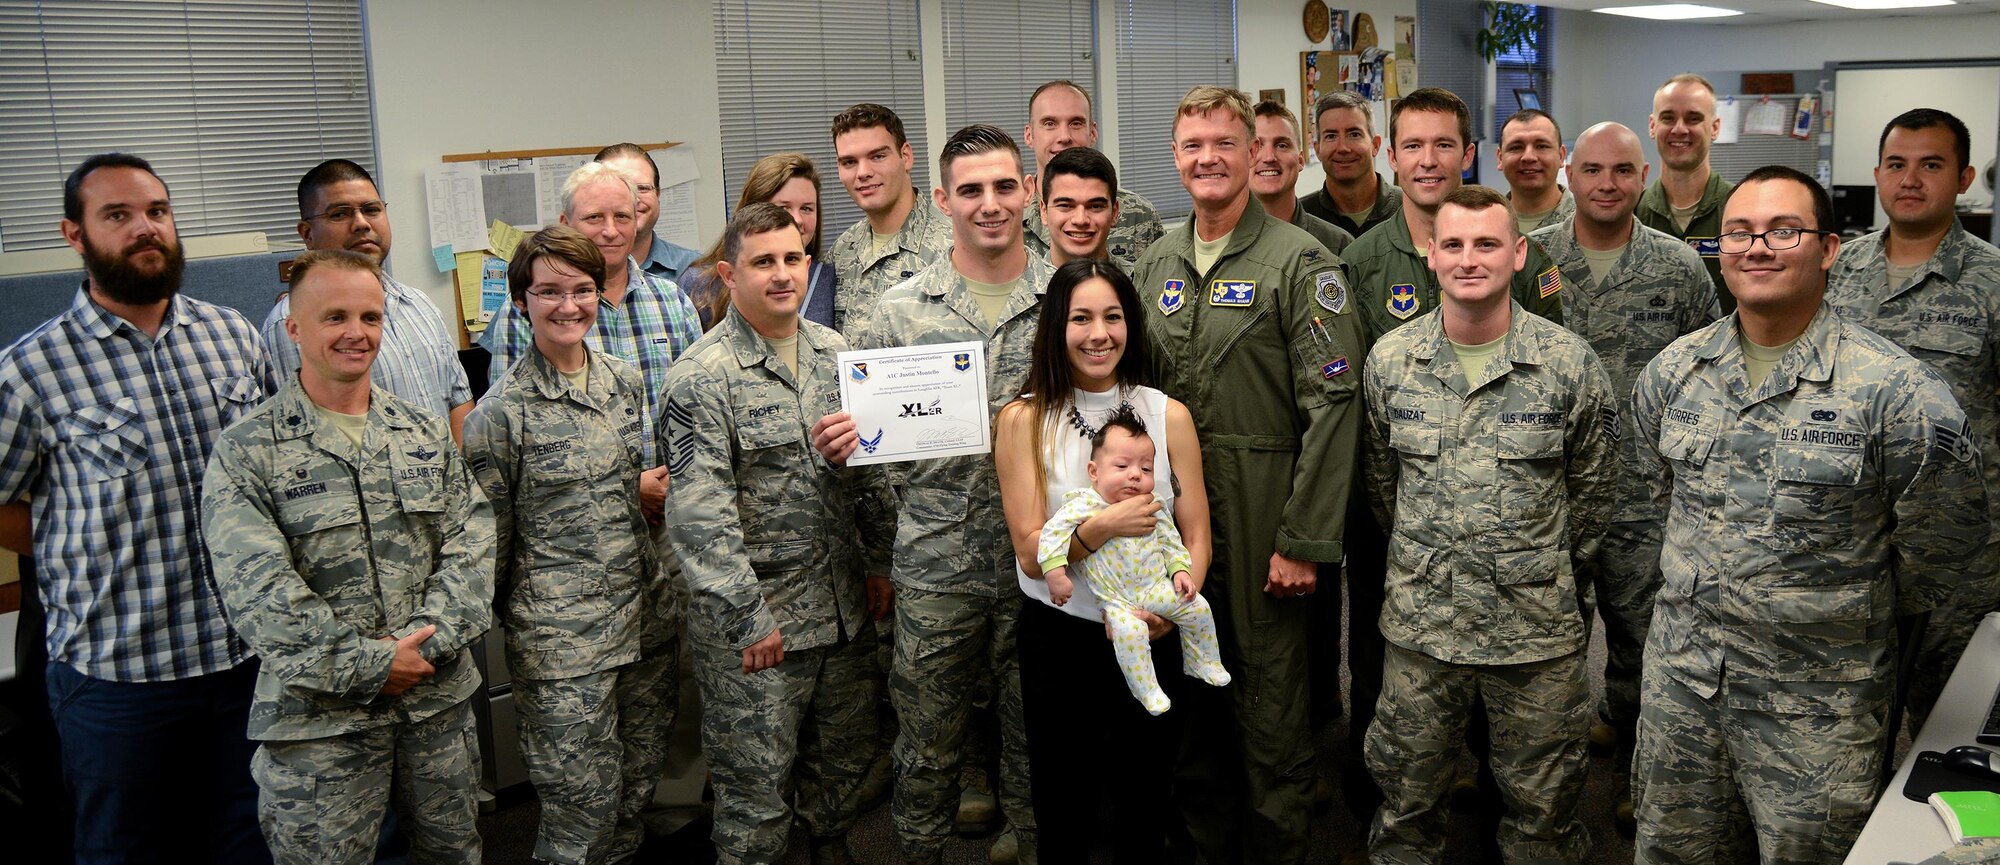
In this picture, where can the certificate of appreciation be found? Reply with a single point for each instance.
(916, 402)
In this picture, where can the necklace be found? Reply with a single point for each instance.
(1086, 430)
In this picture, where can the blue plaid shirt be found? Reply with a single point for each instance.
(651, 327)
(109, 429)
(418, 360)
(667, 260)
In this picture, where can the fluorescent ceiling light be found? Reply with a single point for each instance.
(1670, 12)
(1886, 4)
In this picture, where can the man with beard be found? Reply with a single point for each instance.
(107, 415)
(1686, 201)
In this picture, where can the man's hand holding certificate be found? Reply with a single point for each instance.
(917, 402)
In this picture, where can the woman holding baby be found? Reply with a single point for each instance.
(1091, 743)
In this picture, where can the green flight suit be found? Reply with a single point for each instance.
(1388, 202)
(1654, 212)
(1393, 284)
(1333, 237)
(1265, 350)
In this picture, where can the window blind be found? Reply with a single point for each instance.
(1448, 31)
(996, 54)
(1165, 47)
(786, 67)
(232, 101)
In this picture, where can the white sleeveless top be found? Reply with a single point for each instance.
(1065, 454)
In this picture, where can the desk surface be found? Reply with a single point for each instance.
(1904, 831)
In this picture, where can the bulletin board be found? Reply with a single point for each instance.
(482, 205)
(1370, 72)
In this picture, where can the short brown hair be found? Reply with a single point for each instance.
(868, 115)
(560, 242)
(331, 259)
(752, 219)
(1345, 99)
(1472, 196)
(1438, 101)
(1204, 98)
(1526, 114)
(1274, 108)
(972, 141)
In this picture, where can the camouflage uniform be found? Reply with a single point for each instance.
(1388, 202)
(1262, 349)
(924, 238)
(1393, 284)
(324, 553)
(1804, 515)
(1949, 317)
(1496, 488)
(1655, 293)
(1564, 209)
(1654, 212)
(957, 608)
(1138, 226)
(1968, 852)
(771, 536)
(575, 585)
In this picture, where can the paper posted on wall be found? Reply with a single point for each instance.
(1769, 117)
(678, 223)
(1730, 112)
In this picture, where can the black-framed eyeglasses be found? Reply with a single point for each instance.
(341, 214)
(1738, 242)
(582, 296)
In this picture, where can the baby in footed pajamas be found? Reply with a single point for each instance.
(1130, 574)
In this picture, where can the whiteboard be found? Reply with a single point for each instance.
(1865, 100)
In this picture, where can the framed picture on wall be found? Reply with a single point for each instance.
(1527, 98)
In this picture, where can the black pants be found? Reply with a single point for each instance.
(1367, 567)
(1091, 746)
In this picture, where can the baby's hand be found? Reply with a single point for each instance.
(1060, 587)
(1184, 585)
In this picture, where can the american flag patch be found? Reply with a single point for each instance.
(1550, 282)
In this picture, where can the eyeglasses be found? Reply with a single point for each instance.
(1738, 242)
(583, 296)
(344, 213)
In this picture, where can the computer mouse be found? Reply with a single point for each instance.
(1974, 761)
